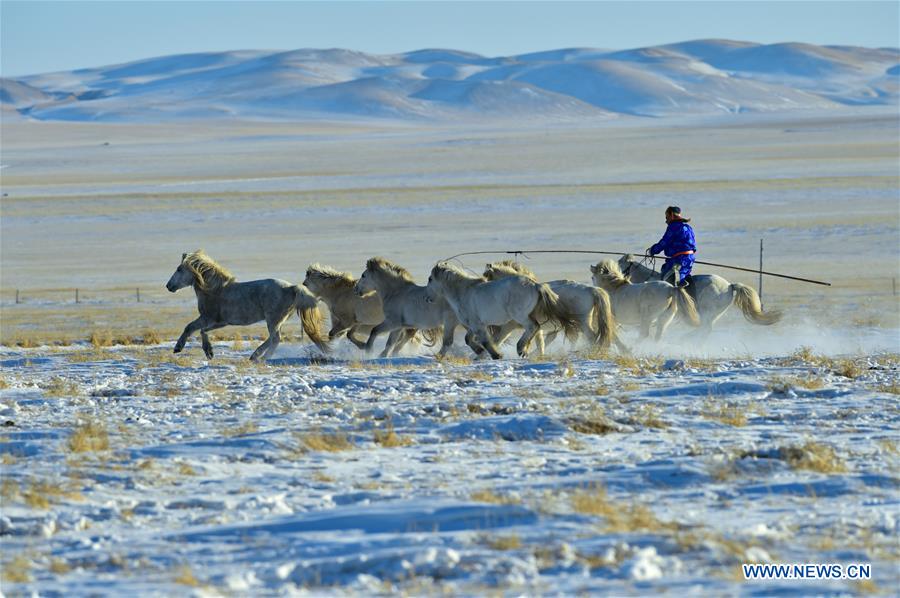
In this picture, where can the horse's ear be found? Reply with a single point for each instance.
(183, 255)
(593, 268)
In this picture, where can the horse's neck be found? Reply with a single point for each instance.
(209, 294)
(461, 284)
(643, 273)
(388, 286)
(334, 292)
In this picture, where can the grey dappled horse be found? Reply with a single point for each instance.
(222, 302)
(712, 293)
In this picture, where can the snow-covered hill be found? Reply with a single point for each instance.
(696, 77)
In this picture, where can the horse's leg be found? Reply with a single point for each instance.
(663, 321)
(501, 333)
(261, 349)
(274, 335)
(337, 330)
(447, 339)
(190, 329)
(473, 343)
(646, 320)
(403, 336)
(207, 346)
(394, 340)
(359, 344)
(531, 329)
(383, 327)
(488, 343)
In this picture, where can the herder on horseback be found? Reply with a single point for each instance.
(678, 245)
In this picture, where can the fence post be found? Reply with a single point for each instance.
(76, 296)
(17, 296)
(760, 270)
(138, 290)
(893, 281)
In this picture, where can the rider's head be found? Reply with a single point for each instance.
(674, 213)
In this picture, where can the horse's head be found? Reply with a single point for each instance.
(435, 286)
(182, 277)
(365, 284)
(490, 272)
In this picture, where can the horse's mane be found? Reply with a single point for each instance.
(610, 271)
(208, 273)
(514, 267)
(453, 269)
(331, 276)
(379, 264)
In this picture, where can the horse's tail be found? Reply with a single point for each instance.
(549, 307)
(748, 301)
(311, 317)
(430, 335)
(686, 305)
(603, 321)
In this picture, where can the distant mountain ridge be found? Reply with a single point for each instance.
(694, 77)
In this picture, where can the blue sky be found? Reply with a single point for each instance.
(37, 36)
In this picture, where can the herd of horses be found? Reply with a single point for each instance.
(490, 307)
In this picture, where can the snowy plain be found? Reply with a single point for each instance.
(337, 475)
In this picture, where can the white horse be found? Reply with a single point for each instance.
(405, 307)
(222, 301)
(350, 313)
(589, 304)
(644, 303)
(480, 304)
(713, 294)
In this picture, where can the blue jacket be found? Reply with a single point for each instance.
(679, 237)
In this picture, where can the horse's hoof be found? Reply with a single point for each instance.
(209, 354)
(177, 350)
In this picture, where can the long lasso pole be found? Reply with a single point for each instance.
(526, 252)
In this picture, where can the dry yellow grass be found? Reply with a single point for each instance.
(60, 387)
(892, 388)
(241, 430)
(649, 416)
(814, 456)
(388, 438)
(848, 368)
(59, 566)
(453, 360)
(594, 422)
(511, 542)
(784, 384)
(620, 517)
(321, 476)
(17, 570)
(638, 366)
(185, 576)
(3, 382)
(731, 415)
(489, 496)
(39, 494)
(89, 437)
(318, 441)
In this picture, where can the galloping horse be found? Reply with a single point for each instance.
(643, 303)
(222, 302)
(350, 313)
(590, 305)
(405, 307)
(479, 304)
(714, 295)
